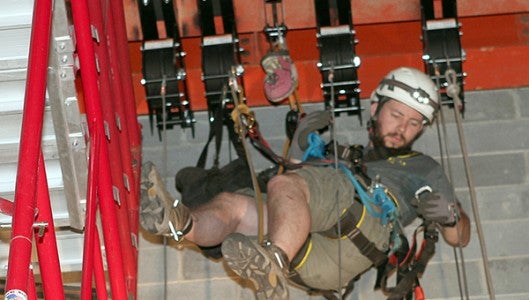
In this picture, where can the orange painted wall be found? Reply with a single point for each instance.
(497, 48)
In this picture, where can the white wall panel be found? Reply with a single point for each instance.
(16, 13)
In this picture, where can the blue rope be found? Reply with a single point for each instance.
(380, 198)
(388, 209)
(316, 147)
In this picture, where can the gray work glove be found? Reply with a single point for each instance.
(314, 121)
(430, 206)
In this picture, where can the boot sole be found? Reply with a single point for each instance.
(250, 261)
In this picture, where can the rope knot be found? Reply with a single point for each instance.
(316, 147)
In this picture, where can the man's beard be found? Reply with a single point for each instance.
(379, 150)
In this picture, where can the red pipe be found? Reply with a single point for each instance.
(85, 49)
(130, 113)
(30, 147)
(89, 246)
(48, 255)
(99, 272)
(121, 102)
(128, 95)
(6, 207)
(119, 151)
(32, 287)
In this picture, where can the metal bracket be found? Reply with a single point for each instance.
(40, 225)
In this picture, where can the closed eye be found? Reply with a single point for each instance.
(397, 115)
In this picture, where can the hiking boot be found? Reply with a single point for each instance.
(160, 213)
(281, 75)
(262, 266)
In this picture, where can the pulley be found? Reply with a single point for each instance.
(442, 48)
(338, 62)
(164, 75)
(220, 53)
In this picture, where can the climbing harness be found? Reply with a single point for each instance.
(246, 125)
(372, 199)
(409, 263)
(373, 196)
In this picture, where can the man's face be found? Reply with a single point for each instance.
(398, 125)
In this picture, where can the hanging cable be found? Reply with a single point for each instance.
(452, 90)
(335, 144)
(164, 173)
(445, 159)
(243, 122)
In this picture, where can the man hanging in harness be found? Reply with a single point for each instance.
(321, 233)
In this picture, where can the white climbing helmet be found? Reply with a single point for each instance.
(411, 87)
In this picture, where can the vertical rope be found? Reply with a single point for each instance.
(238, 99)
(335, 146)
(164, 173)
(461, 272)
(452, 90)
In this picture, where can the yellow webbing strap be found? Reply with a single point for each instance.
(295, 105)
(243, 119)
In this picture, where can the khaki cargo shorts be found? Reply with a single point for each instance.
(331, 193)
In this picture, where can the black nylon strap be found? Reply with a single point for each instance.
(228, 16)
(148, 20)
(169, 18)
(206, 15)
(347, 226)
(332, 12)
(449, 9)
(294, 277)
(322, 13)
(215, 130)
(344, 12)
(428, 9)
(210, 9)
(409, 279)
(418, 94)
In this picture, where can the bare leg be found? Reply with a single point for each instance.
(288, 212)
(288, 224)
(224, 214)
